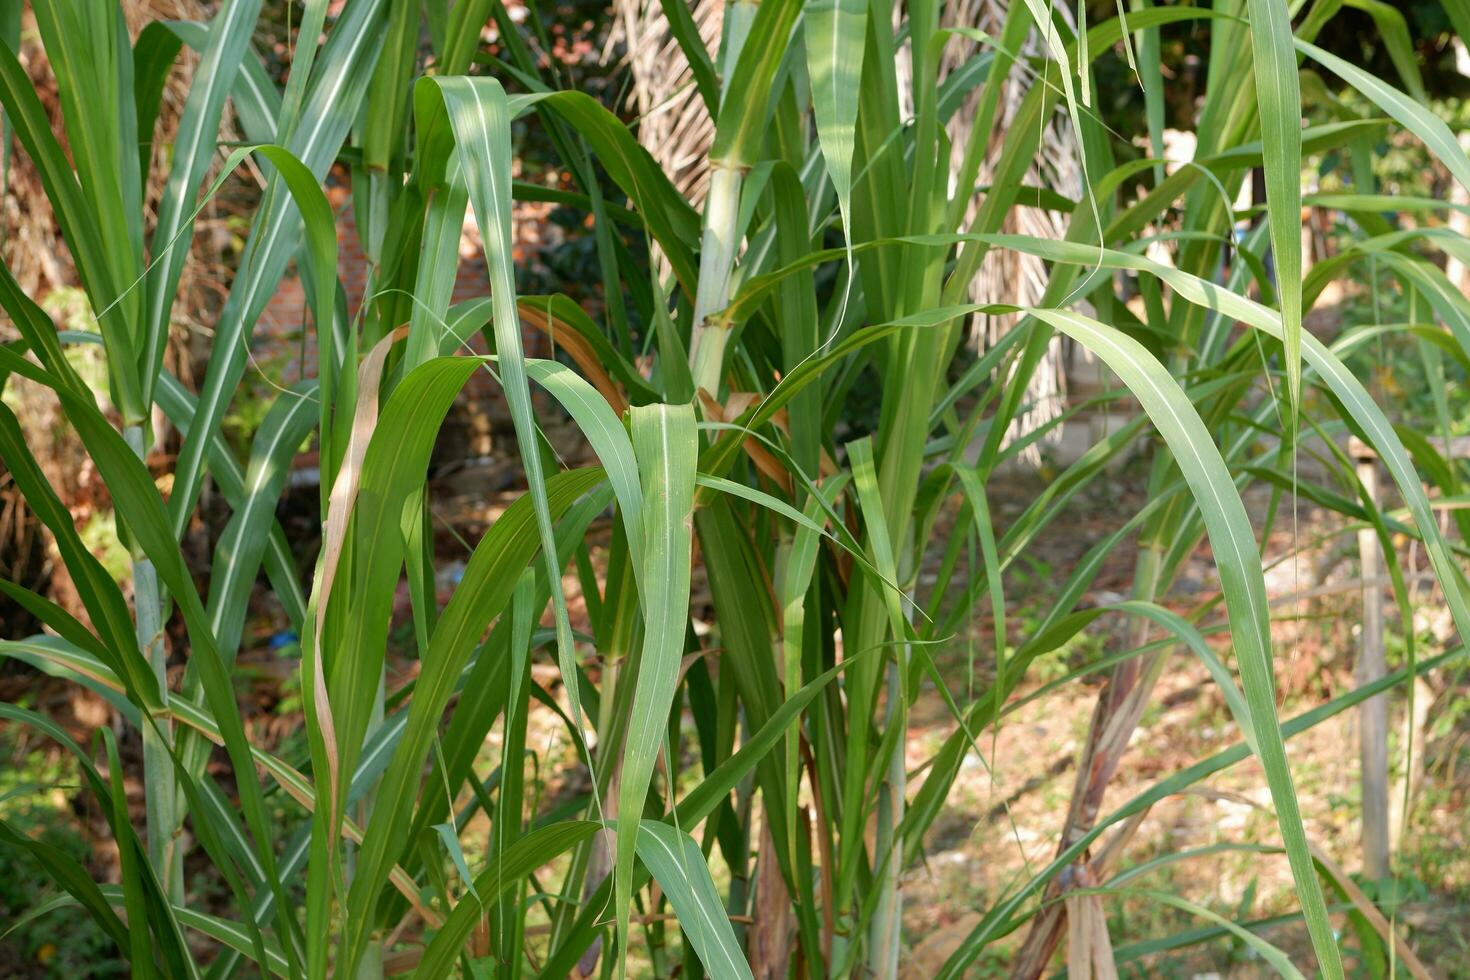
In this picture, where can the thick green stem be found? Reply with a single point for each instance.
(370, 967)
(162, 805)
(716, 260)
(883, 931)
(721, 238)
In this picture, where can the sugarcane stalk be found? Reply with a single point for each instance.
(162, 806)
(716, 261)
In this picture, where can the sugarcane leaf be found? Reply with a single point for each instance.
(678, 865)
(835, 34)
(1233, 544)
(479, 114)
(243, 543)
(1279, 101)
(518, 860)
(194, 148)
(329, 107)
(666, 443)
(1410, 114)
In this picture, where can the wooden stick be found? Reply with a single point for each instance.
(1372, 713)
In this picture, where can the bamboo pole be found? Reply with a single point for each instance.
(1371, 666)
(1372, 713)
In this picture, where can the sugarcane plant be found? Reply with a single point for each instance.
(834, 250)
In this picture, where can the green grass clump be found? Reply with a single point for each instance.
(781, 577)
